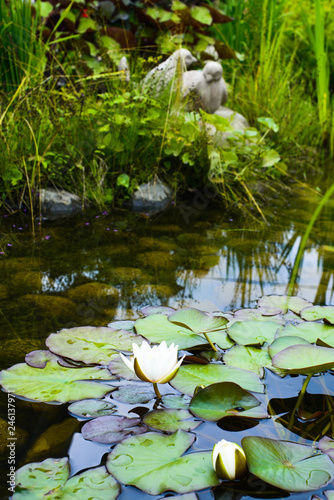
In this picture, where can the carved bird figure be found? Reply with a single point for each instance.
(206, 89)
(160, 76)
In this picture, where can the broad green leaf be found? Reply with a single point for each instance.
(260, 314)
(134, 394)
(286, 465)
(270, 158)
(148, 310)
(201, 14)
(91, 408)
(175, 401)
(248, 358)
(111, 429)
(253, 332)
(123, 180)
(46, 9)
(49, 480)
(91, 344)
(282, 342)
(304, 359)
(171, 420)
(86, 23)
(326, 445)
(315, 313)
(153, 463)
(122, 325)
(55, 383)
(190, 376)
(268, 122)
(177, 5)
(225, 399)
(120, 369)
(198, 321)
(284, 302)
(157, 328)
(309, 331)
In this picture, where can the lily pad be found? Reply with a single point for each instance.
(190, 376)
(153, 462)
(176, 401)
(283, 342)
(170, 420)
(310, 332)
(248, 358)
(284, 302)
(148, 310)
(91, 345)
(91, 408)
(225, 399)
(286, 465)
(39, 359)
(134, 394)
(55, 383)
(122, 325)
(253, 332)
(315, 313)
(304, 359)
(260, 314)
(49, 480)
(157, 328)
(120, 369)
(111, 429)
(326, 445)
(198, 321)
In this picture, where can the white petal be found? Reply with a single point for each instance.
(128, 361)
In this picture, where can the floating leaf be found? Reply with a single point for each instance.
(48, 479)
(283, 342)
(55, 383)
(134, 394)
(290, 466)
(284, 302)
(157, 328)
(326, 445)
(170, 420)
(225, 399)
(253, 332)
(111, 429)
(309, 331)
(190, 376)
(91, 344)
(198, 321)
(152, 462)
(304, 359)
(39, 359)
(248, 358)
(260, 314)
(315, 313)
(176, 401)
(91, 408)
(148, 310)
(120, 369)
(122, 325)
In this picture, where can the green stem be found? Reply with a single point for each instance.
(300, 397)
(156, 390)
(211, 344)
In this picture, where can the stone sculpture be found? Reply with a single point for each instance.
(160, 76)
(205, 89)
(123, 66)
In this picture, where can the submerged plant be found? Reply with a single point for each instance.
(158, 364)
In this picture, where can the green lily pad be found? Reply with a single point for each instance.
(120, 369)
(284, 302)
(310, 332)
(175, 401)
(326, 445)
(315, 313)
(111, 429)
(134, 394)
(122, 325)
(198, 321)
(91, 345)
(304, 359)
(225, 399)
(170, 420)
(260, 314)
(190, 376)
(253, 332)
(91, 408)
(55, 383)
(39, 359)
(286, 465)
(49, 480)
(153, 463)
(157, 328)
(248, 358)
(283, 342)
(148, 310)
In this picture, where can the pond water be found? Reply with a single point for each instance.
(200, 258)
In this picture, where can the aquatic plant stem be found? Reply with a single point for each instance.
(295, 269)
(156, 390)
(211, 344)
(299, 400)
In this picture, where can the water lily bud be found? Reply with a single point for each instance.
(198, 388)
(157, 364)
(229, 460)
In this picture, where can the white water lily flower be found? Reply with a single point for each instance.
(229, 460)
(157, 364)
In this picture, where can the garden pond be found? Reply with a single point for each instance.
(257, 369)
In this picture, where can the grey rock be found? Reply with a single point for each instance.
(153, 196)
(58, 203)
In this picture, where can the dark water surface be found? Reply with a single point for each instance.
(209, 260)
